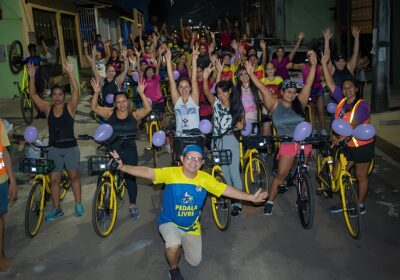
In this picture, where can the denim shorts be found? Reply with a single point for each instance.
(4, 197)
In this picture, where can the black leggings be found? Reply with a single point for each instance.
(129, 156)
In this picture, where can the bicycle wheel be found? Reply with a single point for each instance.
(255, 175)
(324, 177)
(221, 207)
(104, 209)
(26, 107)
(305, 201)
(170, 105)
(371, 166)
(34, 209)
(65, 184)
(16, 57)
(351, 209)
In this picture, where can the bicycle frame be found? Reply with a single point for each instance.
(108, 175)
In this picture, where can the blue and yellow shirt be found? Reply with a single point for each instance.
(184, 197)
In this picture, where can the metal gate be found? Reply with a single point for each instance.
(87, 25)
(69, 35)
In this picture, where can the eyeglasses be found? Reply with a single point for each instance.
(194, 159)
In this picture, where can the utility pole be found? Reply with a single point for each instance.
(381, 57)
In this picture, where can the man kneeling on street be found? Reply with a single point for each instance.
(186, 189)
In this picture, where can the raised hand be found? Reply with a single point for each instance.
(207, 72)
(210, 48)
(141, 85)
(94, 51)
(95, 85)
(124, 52)
(68, 66)
(120, 40)
(355, 31)
(300, 36)
(168, 55)
(85, 44)
(219, 65)
(249, 67)
(195, 52)
(327, 33)
(263, 44)
(31, 70)
(234, 45)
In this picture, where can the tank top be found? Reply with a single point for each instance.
(340, 75)
(61, 129)
(249, 105)
(109, 88)
(285, 120)
(122, 127)
(186, 115)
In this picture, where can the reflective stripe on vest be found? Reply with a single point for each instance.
(349, 116)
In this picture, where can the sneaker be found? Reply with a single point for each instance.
(79, 211)
(236, 210)
(324, 132)
(268, 208)
(54, 214)
(336, 208)
(175, 274)
(134, 213)
(362, 209)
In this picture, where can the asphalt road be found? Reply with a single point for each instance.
(254, 247)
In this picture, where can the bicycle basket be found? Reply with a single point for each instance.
(181, 142)
(154, 116)
(97, 165)
(254, 142)
(36, 166)
(220, 157)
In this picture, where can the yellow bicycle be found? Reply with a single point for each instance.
(153, 124)
(26, 102)
(255, 169)
(221, 206)
(40, 192)
(341, 182)
(167, 97)
(110, 188)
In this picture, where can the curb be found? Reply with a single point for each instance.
(388, 148)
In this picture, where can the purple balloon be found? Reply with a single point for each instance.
(342, 127)
(247, 130)
(364, 131)
(31, 134)
(331, 107)
(135, 76)
(205, 126)
(302, 131)
(176, 75)
(159, 138)
(103, 132)
(110, 98)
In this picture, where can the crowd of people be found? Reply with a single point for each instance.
(222, 78)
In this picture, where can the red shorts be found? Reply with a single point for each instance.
(293, 149)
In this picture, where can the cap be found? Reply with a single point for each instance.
(288, 84)
(193, 148)
(339, 56)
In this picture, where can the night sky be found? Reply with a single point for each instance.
(206, 12)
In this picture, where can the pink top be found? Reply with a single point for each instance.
(153, 90)
(317, 81)
(250, 107)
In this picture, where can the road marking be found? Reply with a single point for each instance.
(136, 246)
(392, 211)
